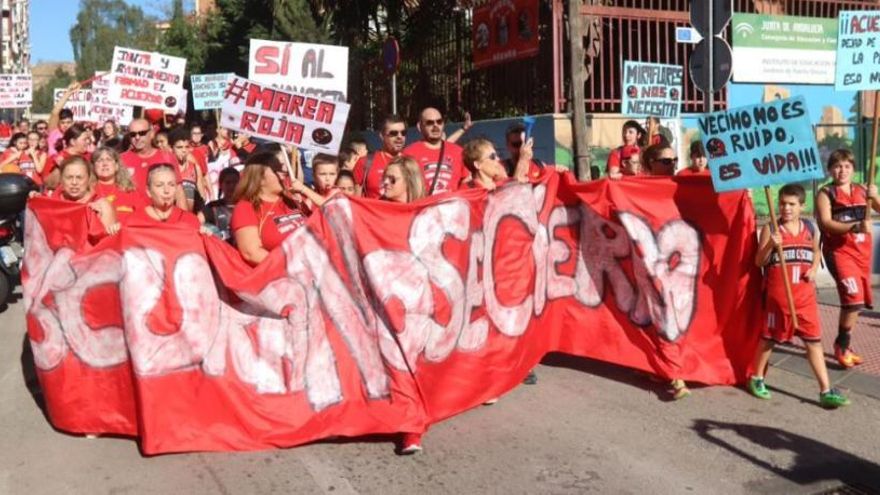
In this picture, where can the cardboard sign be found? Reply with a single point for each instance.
(760, 145)
(16, 90)
(505, 30)
(80, 102)
(208, 89)
(146, 79)
(308, 69)
(102, 109)
(858, 51)
(651, 89)
(282, 116)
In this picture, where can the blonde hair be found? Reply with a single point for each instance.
(122, 177)
(412, 177)
(473, 151)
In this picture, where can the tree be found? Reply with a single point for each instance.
(102, 25)
(44, 96)
(186, 38)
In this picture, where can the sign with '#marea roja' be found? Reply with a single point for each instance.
(304, 68)
(275, 114)
(147, 79)
(761, 145)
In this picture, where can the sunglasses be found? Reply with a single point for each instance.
(492, 156)
(669, 162)
(433, 122)
(515, 144)
(139, 133)
(391, 179)
(396, 133)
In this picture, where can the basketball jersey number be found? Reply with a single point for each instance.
(852, 287)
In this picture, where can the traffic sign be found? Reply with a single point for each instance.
(721, 11)
(687, 35)
(390, 55)
(722, 64)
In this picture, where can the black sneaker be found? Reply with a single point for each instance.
(531, 378)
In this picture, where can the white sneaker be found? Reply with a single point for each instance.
(490, 401)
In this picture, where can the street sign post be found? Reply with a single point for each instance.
(710, 18)
(391, 62)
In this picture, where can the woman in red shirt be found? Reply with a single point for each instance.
(163, 209)
(264, 214)
(76, 178)
(77, 140)
(114, 184)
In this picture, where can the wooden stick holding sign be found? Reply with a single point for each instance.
(872, 164)
(779, 252)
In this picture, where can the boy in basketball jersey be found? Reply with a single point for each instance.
(841, 209)
(800, 247)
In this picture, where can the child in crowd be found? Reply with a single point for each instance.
(346, 184)
(841, 209)
(699, 163)
(800, 247)
(325, 169)
(217, 215)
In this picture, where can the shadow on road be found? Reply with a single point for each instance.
(813, 461)
(635, 378)
(29, 373)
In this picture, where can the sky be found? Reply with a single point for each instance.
(51, 21)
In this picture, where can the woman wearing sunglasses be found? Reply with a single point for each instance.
(264, 214)
(486, 168)
(660, 160)
(402, 181)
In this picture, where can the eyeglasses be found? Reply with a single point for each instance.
(143, 133)
(669, 162)
(390, 178)
(515, 144)
(396, 133)
(492, 156)
(433, 122)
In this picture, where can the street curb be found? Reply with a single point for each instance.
(792, 359)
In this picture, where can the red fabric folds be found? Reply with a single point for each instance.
(380, 317)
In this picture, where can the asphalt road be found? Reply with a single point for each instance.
(586, 427)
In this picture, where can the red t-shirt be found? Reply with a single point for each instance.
(452, 170)
(138, 166)
(23, 165)
(59, 158)
(200, 153)
(124, 202)
(690, 171)
(615, 159)
(274, 221)
(372, 187)
(179, 217)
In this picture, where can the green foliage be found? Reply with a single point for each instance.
(185, 38)
(102, 25)
(44, 97)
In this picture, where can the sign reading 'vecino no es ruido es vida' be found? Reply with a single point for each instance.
(275, 114)
(651, 89)
(858, 51)
(760, 145)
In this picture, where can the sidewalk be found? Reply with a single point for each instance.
(864, 378)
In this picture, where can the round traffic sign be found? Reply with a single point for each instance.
(722, 62)
(390, 55)
(721, 12)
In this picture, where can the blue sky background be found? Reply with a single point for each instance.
(51, 21)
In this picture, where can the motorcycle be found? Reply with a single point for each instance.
(14, 190)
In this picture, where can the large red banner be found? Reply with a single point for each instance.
(379, 317)
(505, 30)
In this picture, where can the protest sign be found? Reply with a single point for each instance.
(759, 145)
(303, 68)
(102, 109)
(16, 90)
(858, 51)
(80, 102)
(208, 89)
(282, 116)
(504, 30)
(651, 89)
(146, 79)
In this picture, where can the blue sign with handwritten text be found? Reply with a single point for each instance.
(760, 145)
(858, 51)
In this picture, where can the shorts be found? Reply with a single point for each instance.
(853, 281)
(778, 325)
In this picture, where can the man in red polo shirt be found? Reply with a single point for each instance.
(439, 159)
(142, 154)
(369, 169)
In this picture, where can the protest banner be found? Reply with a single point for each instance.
(16, 90)
(80, 102)
(374, 318)
(304, 68)
(208, 90)
(651, 90)
(282, 116)
(102, 109)
(504, 30)
(784, 49)
(762, 145)
(146, 79)
(858, 51)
